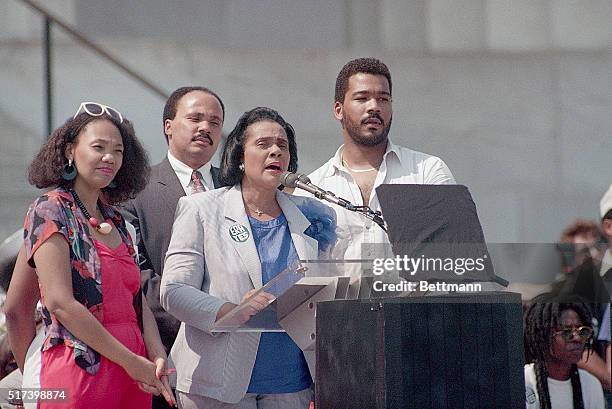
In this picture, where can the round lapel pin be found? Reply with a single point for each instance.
(239, 233)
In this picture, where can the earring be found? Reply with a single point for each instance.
(69, 172)
(241, 167)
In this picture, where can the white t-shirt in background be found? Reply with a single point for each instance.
(561, 394)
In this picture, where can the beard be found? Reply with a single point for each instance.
(354, 131)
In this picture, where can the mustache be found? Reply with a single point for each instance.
(374, 115)
(203, 136)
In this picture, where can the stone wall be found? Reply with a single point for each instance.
(515, 95)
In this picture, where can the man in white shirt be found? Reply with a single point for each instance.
(193, 121)
(368, 158)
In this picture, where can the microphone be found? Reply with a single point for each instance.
(301, 181)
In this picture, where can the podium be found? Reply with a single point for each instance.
(376, 350)
(455, 350)
(296, 292)
(444, 351)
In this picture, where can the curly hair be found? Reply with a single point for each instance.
(359, 65)
(47, 167)
(541, 318)
(581, 227)
(175, 97)
(233, 151)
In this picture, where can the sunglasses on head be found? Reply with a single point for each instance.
(96, 109)
(583, 333)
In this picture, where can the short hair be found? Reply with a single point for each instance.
(175, 97)
(581, 227)
(541, 318)
(233, 151)
(359, 65)
(47, 167)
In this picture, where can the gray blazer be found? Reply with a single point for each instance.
(205, 268)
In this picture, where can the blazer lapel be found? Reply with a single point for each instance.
(170, 183)
(216, 176)
(240, 234)
(306, 246)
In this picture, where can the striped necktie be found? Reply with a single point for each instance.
(196, 182)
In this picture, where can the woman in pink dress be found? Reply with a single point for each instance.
(102, 348)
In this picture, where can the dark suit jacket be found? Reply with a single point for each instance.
(152, 214)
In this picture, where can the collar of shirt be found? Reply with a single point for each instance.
(337, 165)
(183, 172)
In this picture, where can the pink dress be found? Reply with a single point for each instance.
(111, 387)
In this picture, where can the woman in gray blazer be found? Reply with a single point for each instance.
(226, 244)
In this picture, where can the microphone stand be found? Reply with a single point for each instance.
(295, 180)
(375, 216)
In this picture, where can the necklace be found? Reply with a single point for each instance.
(357, 170)
(102, 228)
(257, 211)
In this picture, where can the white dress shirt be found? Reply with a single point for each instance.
(399, 166)
(183, 172)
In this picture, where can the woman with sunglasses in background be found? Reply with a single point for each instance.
(102, 348)
(557, 331)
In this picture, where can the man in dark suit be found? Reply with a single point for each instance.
(193, 120)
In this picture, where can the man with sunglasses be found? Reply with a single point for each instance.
(192, 123)
(557, 332)
(580, 240)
